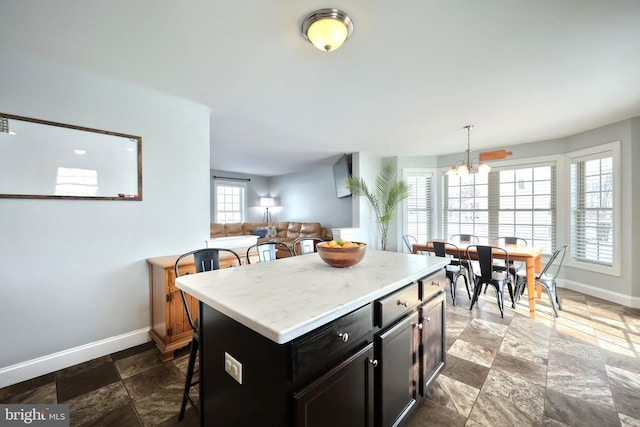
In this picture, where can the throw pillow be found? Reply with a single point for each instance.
(272, 231)
(260, 232)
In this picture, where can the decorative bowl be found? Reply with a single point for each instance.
(340, 257)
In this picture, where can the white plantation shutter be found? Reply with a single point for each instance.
(516, 201)
(592, 208)
(419, 206)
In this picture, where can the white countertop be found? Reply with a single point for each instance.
(287, 298)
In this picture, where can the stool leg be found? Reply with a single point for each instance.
(187, 385)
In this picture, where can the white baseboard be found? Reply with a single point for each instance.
(63, 359)
(605, 294)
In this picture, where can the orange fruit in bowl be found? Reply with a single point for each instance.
(347, 244)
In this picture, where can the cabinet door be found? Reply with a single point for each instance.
(433, 340)
(397, 373)
(341, 398)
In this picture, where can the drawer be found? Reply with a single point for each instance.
(396, 304)
(433, 284)
(326, 344)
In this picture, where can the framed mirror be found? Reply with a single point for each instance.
(47, 160)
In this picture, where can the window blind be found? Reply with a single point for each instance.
(592, 209)
(419, 206)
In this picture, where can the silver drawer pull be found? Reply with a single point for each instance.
(435, 283)
(419, 325)
(402, 303)
(344, 337)
(373, 363)
(428, 319)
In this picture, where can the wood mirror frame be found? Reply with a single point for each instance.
(40, 159)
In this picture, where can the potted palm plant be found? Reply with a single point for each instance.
(389, 191)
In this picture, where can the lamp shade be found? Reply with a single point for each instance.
(267, 202)
(327, 29)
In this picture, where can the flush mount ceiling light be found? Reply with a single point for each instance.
(327, 29)
(461, 168)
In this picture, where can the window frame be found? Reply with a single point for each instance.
(611, 149)
(552, 160)
(432, 212)
(229, 183)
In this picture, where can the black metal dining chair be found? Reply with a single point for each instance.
(453, 271)
(501, 264)
(464, 238)
(546, 278)
(486, 274)
(306, 245)
(205, 260)
(266, 251)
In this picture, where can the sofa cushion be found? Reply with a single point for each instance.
(311, 229)
(293, 230)
(281, 227)
(247, 227)
(233, 229)
(217, 230)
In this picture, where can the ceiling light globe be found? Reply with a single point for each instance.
(327, 34)
(484, 168)
(462, 170)
(327, 29)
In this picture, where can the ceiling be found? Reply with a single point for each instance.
(411, 76)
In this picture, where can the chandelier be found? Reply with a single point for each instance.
(461, 167)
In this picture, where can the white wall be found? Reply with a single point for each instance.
(74, 277)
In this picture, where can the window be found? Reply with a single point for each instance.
(593, 206)
(230, 201)
(466, 205)
(510, 201)
(419, 206)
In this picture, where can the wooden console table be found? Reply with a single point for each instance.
(170, 327)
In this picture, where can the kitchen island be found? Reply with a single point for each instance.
(296, 342)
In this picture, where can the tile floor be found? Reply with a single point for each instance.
(581, 369)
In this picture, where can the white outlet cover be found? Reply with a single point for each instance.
(233, 367)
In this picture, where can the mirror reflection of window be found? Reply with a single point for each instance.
(76, 182)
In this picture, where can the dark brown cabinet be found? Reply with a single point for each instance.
(432, 348)
(397, 370)
(343, 397)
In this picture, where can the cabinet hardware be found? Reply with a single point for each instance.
(419, 325)
(169, 331)
(343, 336)
(373, 363)
(169, 297)
(428, 318)
(402, 303)
(435, 283)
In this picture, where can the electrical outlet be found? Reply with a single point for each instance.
(233, 367)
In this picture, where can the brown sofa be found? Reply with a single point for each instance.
(286, 232)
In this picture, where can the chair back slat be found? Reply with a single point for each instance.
(206, 259)
(561, 251)
(484, 257)
(267, 251)
(467, 238)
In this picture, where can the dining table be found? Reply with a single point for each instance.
(530, 255)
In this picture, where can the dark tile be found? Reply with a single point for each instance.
(492, 410)
(134, 350)
(90, 408)
(163, 405)
(465, 371)
(85, 377)
(138, 362)
(17, 393)
(575, 413)
(617, 360)
(122, 416)
(521, 368)
(151, 380)
(430, 414)
(625, 388)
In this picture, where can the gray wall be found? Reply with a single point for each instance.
(310, 196)
(257, 186)
(74, 271)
